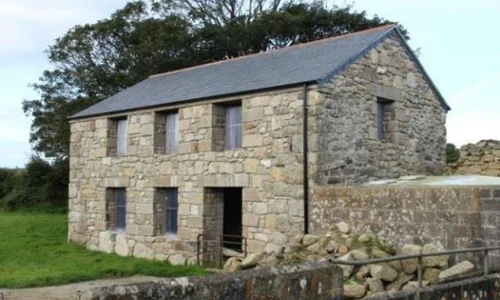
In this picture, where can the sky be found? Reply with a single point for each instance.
(459, 44)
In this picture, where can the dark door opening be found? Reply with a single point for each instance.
(232, 222)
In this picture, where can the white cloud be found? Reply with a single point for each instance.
(469, 93)
(473, 126)
(48, 12)
(11, 133)
(475, 112)
(27, 27)
(30, 25)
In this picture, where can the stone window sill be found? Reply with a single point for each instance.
(171, 237)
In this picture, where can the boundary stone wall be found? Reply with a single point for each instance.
(479, 288)
(311, 281)
(457, 217)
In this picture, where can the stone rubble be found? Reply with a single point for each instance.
(458, 269)
(359, 281)
(482, 158)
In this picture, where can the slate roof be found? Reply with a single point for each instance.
(316, 61)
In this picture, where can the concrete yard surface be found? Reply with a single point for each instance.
(69, 291)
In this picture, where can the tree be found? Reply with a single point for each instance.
(221, 34)
(94, 61)
(217, 12)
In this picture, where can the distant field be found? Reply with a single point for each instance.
(34, 252)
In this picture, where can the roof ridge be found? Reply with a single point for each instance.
(393, 25)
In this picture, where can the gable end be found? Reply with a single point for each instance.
(396, 33)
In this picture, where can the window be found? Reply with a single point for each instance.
(117, 137)
(171, 132)
(166, 132)
(384, 118)
(116, 208)
(380, 120)
(233, 127)
(121, 209)
(166, 207)
(171, 206)
(121, 137)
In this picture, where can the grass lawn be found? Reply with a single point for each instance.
(34, 252)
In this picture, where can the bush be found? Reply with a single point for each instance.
(7, 181)
(41, 186)
(452, 154)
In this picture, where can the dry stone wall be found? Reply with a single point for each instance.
(482, 158)
(349, 150)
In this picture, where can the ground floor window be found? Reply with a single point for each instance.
(166, 207)
(116, 208)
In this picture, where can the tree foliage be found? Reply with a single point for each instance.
(94, 61)
(452, 153)
(41, 184)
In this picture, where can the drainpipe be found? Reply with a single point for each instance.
(306, 161)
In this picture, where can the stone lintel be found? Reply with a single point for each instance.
(118, 182)
(224, 180)
(387, 92)
(165, 181)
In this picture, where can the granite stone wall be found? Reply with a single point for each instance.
(308, 281)
(479, 288)
(415, 134)
(457, 217)
(268, 168)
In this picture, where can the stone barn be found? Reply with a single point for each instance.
(228, 152)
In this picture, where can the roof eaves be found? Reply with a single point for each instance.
(80, 116)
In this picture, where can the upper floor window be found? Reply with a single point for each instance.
(121, 137)
(233, 127)
(166, 132)
(171, 132)
(117, 136)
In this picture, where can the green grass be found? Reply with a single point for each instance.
(34, 252)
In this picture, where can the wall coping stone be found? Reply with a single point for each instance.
(311, 280)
